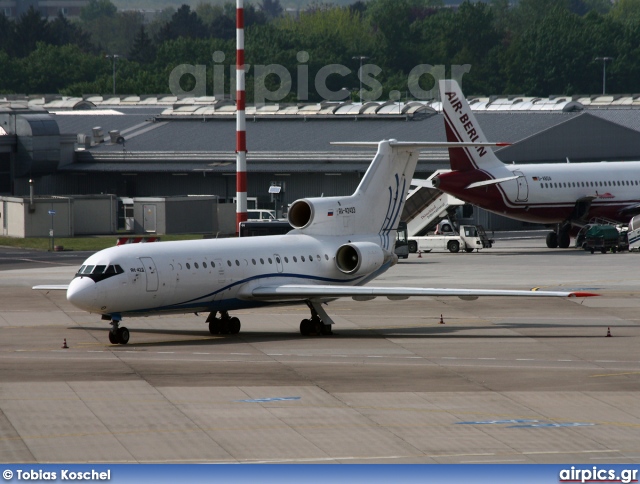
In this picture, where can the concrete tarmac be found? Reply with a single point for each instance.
(503, 380)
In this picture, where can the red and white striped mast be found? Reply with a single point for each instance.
(241, 125)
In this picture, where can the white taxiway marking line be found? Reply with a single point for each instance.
(490, 461)
(425, 359)
(613, 458)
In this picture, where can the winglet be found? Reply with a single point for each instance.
(583, 294)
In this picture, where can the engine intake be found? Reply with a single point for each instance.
(359, 258)
(300, 214)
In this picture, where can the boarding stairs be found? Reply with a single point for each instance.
(426, 206)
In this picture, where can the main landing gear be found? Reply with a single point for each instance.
(319, 324)
(224, 324)
(118, 335)
(560, 238)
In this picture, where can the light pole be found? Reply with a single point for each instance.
(360, 58)
(114, 57)
(604, 71)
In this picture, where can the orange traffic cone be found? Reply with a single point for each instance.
(441, 320)
(419, 254)
(64, 345)
(608, 332)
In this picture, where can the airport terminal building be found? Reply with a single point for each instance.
(165, 146)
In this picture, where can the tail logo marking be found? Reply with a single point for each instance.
(456, 104)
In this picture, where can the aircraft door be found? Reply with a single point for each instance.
(278, 260)
(221, 277)
(151, 273)
(220, 271)
(523, 187)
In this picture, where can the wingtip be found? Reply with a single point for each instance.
(583, 294)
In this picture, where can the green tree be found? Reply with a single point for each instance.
(7, 34)
(97, 9)
(627, 11)
(184, 23)
(116, 34)
(556, 54)
(49, 68)
(143, 51)
(30, 29)
(63, 32)
(271, 8)
(208, 12)
(10, 80)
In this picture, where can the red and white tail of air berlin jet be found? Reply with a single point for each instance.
(563, 194)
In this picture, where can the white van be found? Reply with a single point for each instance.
(256, 214)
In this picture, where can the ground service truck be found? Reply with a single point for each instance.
(467, 238)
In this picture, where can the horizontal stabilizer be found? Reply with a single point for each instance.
(492, 182)
(415, 144)
(51, 287)
(289, 292)
(422, 183)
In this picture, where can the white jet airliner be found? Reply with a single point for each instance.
(338, 244)
(567, 195)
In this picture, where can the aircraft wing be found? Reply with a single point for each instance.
(52, 287)
(363, 293)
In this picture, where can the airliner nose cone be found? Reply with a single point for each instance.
(82, 293)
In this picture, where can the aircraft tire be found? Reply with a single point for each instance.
(123, 336)
(113, 338)
(214, 326)
(305, 327)
(564, 239)
(552, 240)
(234, 325)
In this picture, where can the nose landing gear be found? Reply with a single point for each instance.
(118, 335)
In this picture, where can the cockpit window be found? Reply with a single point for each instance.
(99, 272)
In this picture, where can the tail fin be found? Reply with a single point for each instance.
(375, 207)
(462, 126)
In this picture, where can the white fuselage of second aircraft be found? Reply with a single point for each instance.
(547, 193)
(204, 275)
